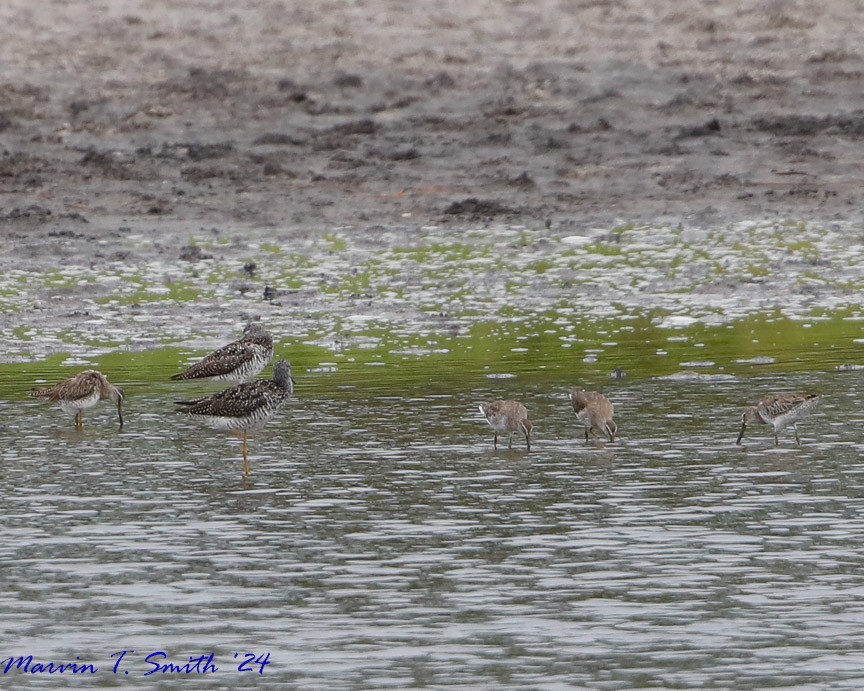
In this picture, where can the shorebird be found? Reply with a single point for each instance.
(594, 411)
(779, 411)
(245, 406)
(238, 361)
(507, 417)
(84, 390)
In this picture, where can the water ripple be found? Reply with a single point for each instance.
(382, 542)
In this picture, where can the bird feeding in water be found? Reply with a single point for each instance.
(595, 412)
(245, 406)
(84, 390)
(779, 411)
(507, 417)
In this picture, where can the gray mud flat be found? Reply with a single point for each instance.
(277, 113)
(143, 165)
(127, 138)
(282, 116)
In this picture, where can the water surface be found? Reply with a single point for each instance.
(380, 542)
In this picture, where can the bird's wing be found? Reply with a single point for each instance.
(219, 362)
(774, 406)
(80, 386)
(231, 402)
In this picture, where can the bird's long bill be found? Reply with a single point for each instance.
(741, 436)
(611, 432)
(120, 412)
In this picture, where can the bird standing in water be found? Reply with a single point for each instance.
(245, 406)
(84, 390)
(594, 411)
(779, 411)
(238, 361)
(507, 417)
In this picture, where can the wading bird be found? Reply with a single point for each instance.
(238, 361)
(83, 391)
(779, 411)
(245, 406)
(507, 417)
(594, 411)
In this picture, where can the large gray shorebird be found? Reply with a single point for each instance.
(239, 361)
(84, 390)
(595, 412)
(245, 406)
(507, 417)
(779, 411)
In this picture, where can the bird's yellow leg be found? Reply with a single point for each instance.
(245, 453)
(79, 421)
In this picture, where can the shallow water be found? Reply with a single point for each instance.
(380, 542)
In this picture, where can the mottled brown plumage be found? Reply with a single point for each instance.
(238, 361)
(779, 411)
(507, 417)
(595, 412)
(84, 390)
(245, 406)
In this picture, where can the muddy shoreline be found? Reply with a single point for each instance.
(150, 143)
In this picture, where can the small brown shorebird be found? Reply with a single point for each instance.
(779, 411)
(245, 406)
(83, 391)
(507, 417)
(594, 411)
(238, 361)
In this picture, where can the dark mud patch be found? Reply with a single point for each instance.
(851, 125)
(473, 209)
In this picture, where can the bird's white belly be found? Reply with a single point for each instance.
(499, 424)
(248, 370)
(79, 404)
(234, 424)
(584, 418)
(783, 421)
